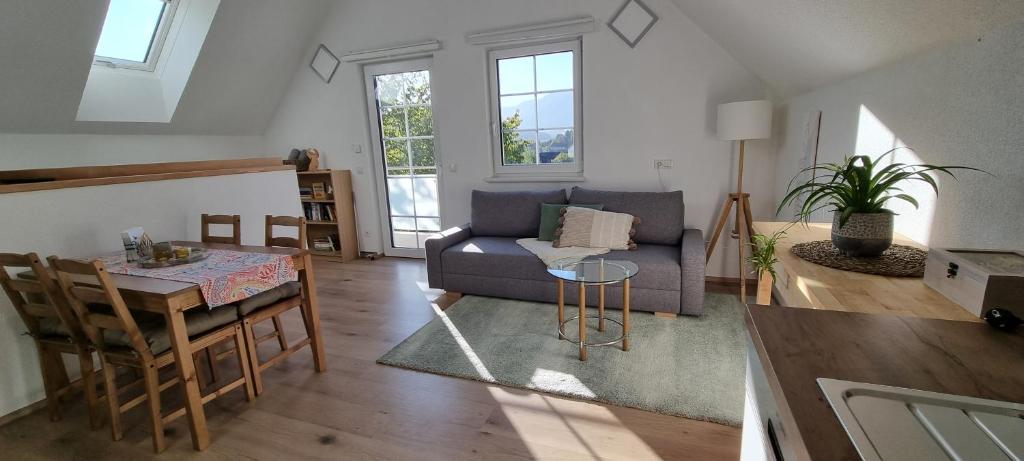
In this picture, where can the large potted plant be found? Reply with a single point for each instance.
(858, 189)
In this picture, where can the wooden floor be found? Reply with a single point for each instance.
(361, 410)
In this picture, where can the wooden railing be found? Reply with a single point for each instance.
(13, 181)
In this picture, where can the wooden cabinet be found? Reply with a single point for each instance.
(330, 214)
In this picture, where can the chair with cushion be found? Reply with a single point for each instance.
(235, 221)
(140, 340)
(54, 329)
(272, 303)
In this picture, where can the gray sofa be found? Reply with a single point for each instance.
(483, 258)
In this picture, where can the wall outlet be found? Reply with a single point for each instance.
(663, 164)
(356, 148)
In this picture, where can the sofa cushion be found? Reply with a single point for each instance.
(510, 214)
(551, 214)
(660, 213)
(493, 257)
(659, 266)
(503, 258)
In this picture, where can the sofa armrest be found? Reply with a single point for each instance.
(692, 264)
(436, 246)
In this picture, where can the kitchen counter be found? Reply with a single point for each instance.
(791, 347)
(802, 283)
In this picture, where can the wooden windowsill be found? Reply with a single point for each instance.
(63, 178)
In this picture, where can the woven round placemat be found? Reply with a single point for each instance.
(897, 261)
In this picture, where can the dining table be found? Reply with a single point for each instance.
(174, 298)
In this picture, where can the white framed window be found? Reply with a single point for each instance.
(536, 116)
(133, 33)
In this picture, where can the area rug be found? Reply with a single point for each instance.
(692, 367)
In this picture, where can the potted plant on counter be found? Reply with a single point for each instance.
(762, 258)
(858, 190)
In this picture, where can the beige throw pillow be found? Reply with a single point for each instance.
(584, 227)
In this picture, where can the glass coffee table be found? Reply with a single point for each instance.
(593, 272)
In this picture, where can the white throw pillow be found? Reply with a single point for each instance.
(584, 227)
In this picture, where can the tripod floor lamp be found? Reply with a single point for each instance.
(740, 121)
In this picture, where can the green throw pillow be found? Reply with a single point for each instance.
(549, 215)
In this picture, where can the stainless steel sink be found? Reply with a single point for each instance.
(894, 424)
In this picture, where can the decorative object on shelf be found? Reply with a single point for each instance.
(319, 191)
(324, 63)
(314, 159)
(896, 261)
(304, 159)
(740, 121)
(632, 21)
(978, 280)
(857, 189)
(762, 258)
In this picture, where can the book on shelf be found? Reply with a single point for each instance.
(319, 212)
(319, 191)
(325, 243)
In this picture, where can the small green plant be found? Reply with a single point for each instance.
(762, 252)
(858, 185)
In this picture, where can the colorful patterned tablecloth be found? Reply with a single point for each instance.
(224, 276)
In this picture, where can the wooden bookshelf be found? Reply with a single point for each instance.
(338, 204)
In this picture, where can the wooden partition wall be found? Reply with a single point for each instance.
(12, 181)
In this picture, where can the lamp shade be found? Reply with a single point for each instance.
(745, 120)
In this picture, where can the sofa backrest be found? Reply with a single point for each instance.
(510, 214)
(661, 213)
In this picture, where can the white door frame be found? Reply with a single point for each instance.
(370, 71)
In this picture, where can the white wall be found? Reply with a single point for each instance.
(656, 101)
(962, 105)
(87, 221)
(24, 151)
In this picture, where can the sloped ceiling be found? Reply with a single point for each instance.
(798, 45)
(252, 50)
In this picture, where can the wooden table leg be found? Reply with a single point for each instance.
(600, 307)
(187, 373)
(312, 307)
(583, 321)
(625, 315)
(561, 306)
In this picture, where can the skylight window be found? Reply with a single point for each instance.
(134, 32)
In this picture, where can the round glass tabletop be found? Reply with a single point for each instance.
(593, 271)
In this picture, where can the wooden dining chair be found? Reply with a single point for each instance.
(271, 304)
(54, 329)
(235, 221)
(140, 340)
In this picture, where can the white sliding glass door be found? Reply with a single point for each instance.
(405, 154)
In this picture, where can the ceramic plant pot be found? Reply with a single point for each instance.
(865, 234)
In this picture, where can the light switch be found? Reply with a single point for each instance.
(453, 167)
(357, 148)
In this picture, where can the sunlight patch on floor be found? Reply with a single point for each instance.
(552, 379)
(553, 428)
(474, 359)
(550, 427)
